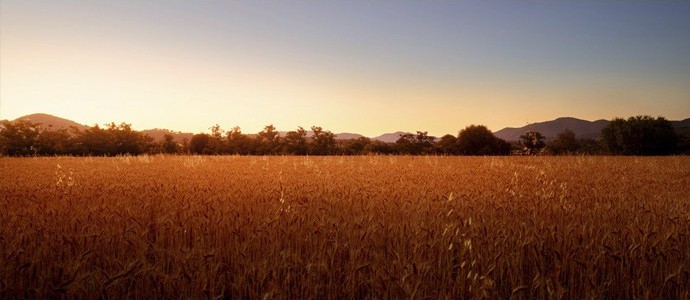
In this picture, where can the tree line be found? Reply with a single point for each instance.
(639, 135)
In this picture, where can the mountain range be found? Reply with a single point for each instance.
(581, 128)
(550, 129)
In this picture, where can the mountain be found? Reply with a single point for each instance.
(551, 129)
(347, 136)
(51, 122)
(681, 124)
(389, 137)
(581, 128)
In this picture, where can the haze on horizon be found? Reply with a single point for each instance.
(348, 66)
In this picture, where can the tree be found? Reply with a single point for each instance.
(414, 144)
(121, 139)
(92, 141)
(26, 138)
(268, 141)
(639, 135)
(379, 147)
(565, 143)
(354, 146)
(448, 145)
(169, 145)
(238, 143)
(216, 142)
(424, 142)
(19, 138)
(198, 143)
(532, 142)
(406, 144)
(185, 146)
(323, 141)
(295, 142)
(683, 144)
(54, 142)
(479, 140)
(588, 146)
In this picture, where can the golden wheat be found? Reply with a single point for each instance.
(345, 227)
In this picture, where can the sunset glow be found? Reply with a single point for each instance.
(347, 66)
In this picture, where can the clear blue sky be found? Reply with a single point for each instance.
(349, 66)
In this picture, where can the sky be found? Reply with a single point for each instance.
(368, 67)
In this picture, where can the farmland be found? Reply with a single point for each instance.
(345, 227)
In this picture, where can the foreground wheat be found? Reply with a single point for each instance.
(345, 227)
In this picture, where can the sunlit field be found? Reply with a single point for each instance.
(345, 227)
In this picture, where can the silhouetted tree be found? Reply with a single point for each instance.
(532, 142)
(424, 142)
(565, 143)
(19, 138)
(121, 139)
(448, 145)
(92, 141)
(588, 146)
(239, 143)
(268, 141)
(295, 142)
(198, 143)
(639, 135)
(216, 143)
(54, 142)
(185, 146)
(409, 143)
(406, 144)
(169, 145)
(479, 140)
(379, 147)
(354, 146)
(323, 142)
(683, 144)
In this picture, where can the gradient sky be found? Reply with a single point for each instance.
(349, 66)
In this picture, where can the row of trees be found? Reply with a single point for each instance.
(640, 135)
(266, 142)
(24, 138)
(470, 141)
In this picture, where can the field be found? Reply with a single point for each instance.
(345, 227)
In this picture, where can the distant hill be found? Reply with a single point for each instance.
(159, 134)
(681, 124)
(347, 136)
(581, 128)
(551, 129)
(51, 122)
(389, 137)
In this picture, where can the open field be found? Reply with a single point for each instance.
(345, 227)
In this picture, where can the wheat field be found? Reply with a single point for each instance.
(345, 227)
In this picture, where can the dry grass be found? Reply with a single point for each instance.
(345, 227)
